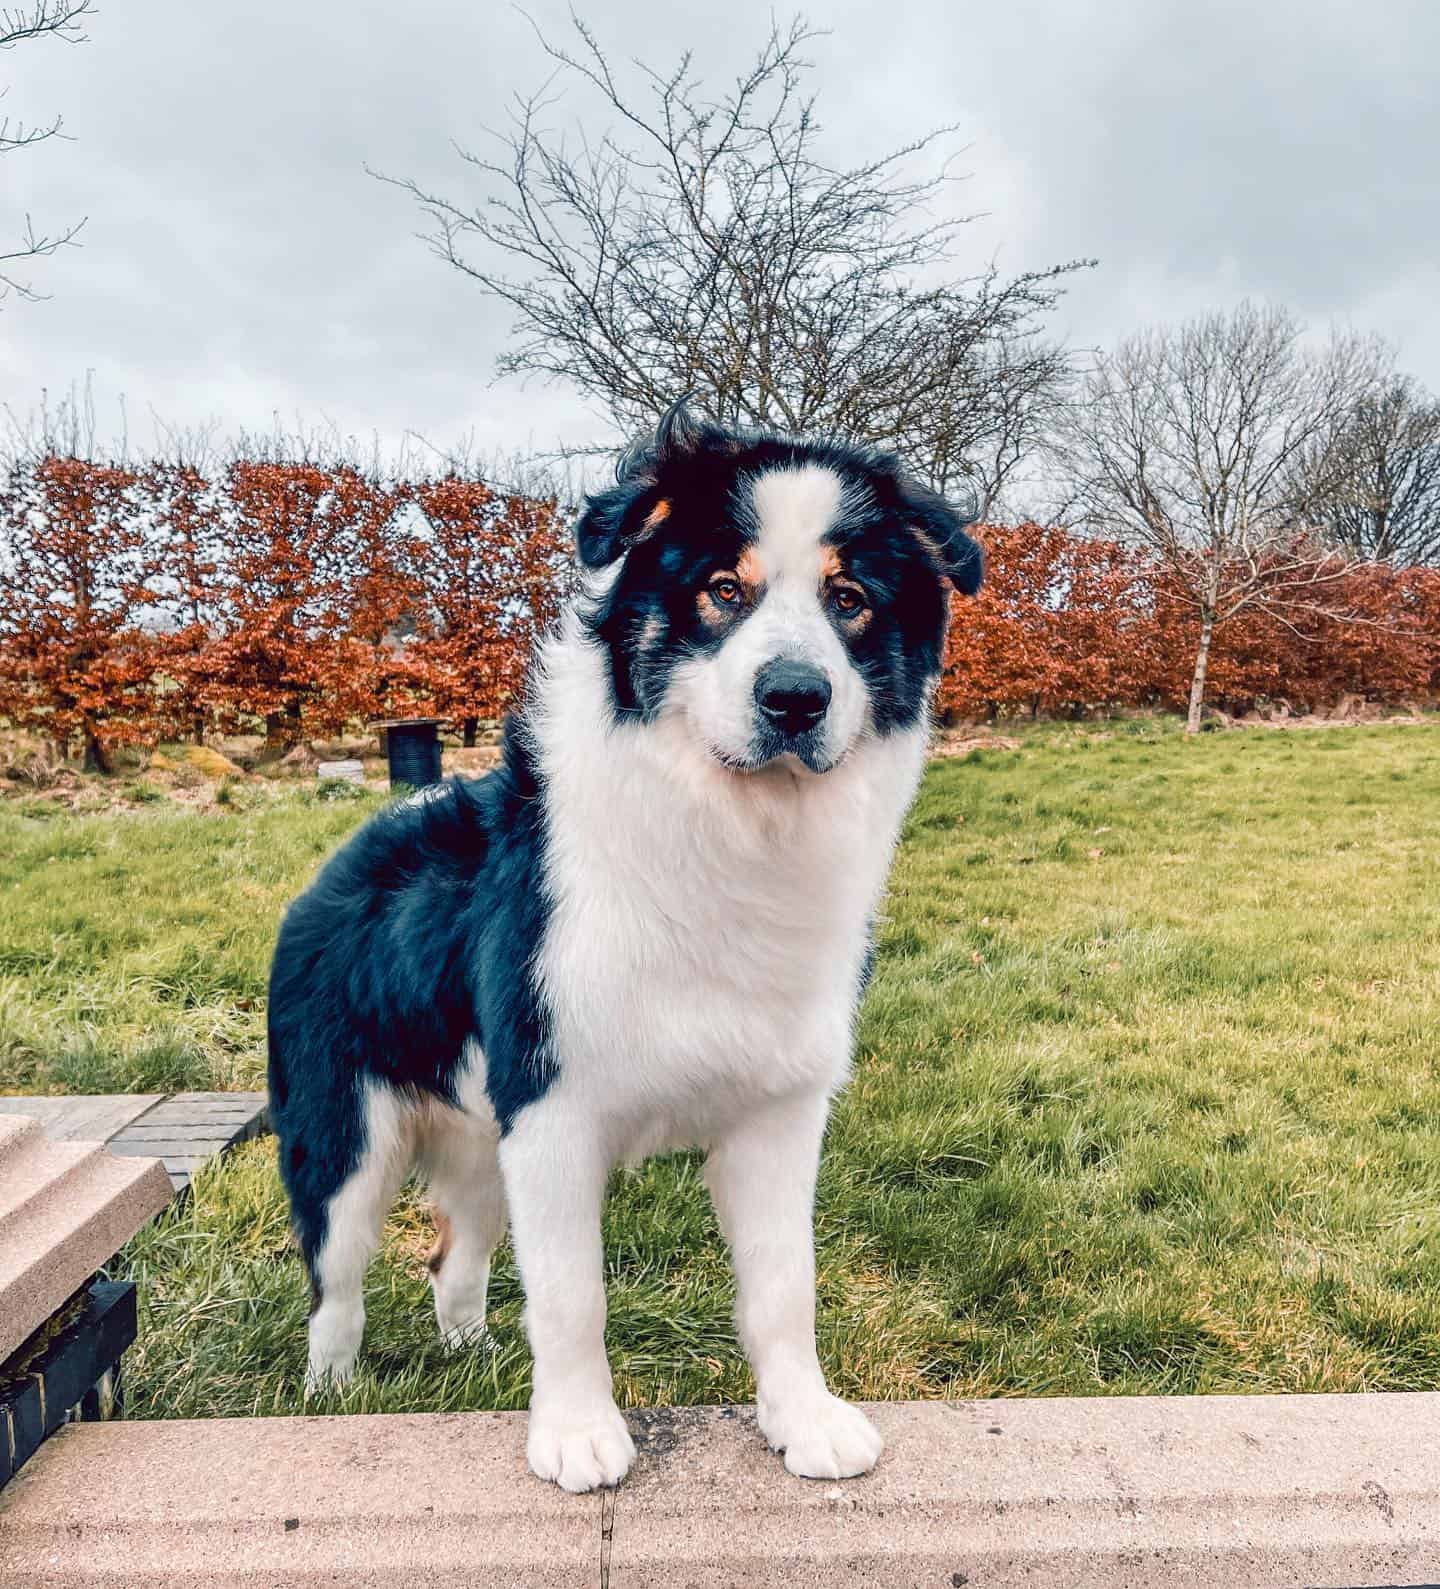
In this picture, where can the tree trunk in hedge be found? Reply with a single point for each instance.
(97, 759)
(282, 731)
(1197, 683)
(471, 725)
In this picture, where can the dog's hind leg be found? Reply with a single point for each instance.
(458, 1157)
(353, 1216)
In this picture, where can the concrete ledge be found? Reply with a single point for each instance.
(1144, 1493)
(66, 1208)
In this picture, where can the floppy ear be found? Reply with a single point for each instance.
(940, 527)
(634, 508)
(617, 519)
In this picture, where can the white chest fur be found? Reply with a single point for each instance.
(709, 928)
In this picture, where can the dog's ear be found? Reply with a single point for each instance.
(617, 519)
(635, 507)
(940, 527)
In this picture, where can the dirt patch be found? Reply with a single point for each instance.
(471, 763)
(960, 742)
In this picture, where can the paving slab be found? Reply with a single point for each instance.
(89, 1118)
(1124, 1493)
(183, 1129)
(66, 1208)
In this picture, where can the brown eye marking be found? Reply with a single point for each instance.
(658, 514)
(843, 595)
(723, 598)
(850, 604)
(846, 596)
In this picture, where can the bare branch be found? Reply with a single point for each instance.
(1190, 442)
(1370, 482)
(56, 19)
(706, 245)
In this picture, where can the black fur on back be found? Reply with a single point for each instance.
(420, 932)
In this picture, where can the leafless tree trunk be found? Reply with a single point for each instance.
(54, 19)
(1202, 666)
(1188, 442)
(709, 248)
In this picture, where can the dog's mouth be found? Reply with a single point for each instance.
(806, 759)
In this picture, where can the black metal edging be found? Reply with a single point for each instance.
(66, 1379)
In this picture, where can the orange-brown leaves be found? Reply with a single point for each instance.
(153, 602)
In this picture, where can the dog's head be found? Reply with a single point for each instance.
(783, 598)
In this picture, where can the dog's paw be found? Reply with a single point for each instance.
(323, 1376)
(822, 1439)
(459, 1328)
(580, 1451)
(468, 1334)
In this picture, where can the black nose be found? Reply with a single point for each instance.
(792, 695)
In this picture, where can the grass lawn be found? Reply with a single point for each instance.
(1147, 1095)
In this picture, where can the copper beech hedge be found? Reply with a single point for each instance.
(150, 602)
(1066, 625)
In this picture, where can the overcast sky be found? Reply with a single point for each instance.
(238, 261)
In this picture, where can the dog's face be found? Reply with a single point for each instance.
(783, 599)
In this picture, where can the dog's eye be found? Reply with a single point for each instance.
(726, 591)
(846, 600)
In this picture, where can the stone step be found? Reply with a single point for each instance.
(66, 1208)
(1146, 1493)
(183, 1130)
(35, 1167)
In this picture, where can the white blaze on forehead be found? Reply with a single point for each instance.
(793, 509)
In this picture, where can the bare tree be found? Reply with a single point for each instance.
(54, 19)
(1187, 441)
(1371, 481)
(709, 248)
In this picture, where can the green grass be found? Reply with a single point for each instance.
(1147, 1095)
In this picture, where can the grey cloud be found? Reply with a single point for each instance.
(239, 261)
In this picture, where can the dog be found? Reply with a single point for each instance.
(649, 928)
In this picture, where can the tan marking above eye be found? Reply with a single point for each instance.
(748, 569)
(829, 563)
(657, 515)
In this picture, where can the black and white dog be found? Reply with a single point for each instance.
(649, 928)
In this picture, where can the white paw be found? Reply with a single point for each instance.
(822, 1439)
(334, 1336)
(580, 1451)
(464, 1332)
(461, 1321)
(321, 1376)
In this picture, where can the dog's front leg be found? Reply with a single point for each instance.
(555, 1175)
(762, 1180)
